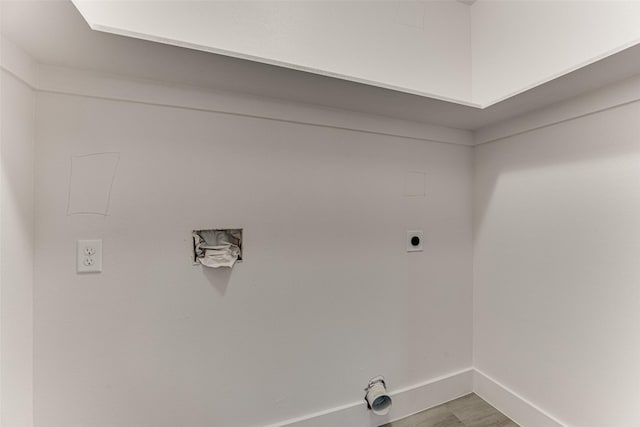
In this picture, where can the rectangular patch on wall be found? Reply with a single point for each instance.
(91, 182)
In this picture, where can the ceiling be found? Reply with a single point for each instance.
(53, 32)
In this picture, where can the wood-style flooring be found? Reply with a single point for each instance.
(466, 411)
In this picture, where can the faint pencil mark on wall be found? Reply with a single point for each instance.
(90, 183)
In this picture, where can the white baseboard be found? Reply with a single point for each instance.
(516, 407)
(407, 401)
(436, 391)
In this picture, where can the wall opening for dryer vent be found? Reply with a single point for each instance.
(217, 247)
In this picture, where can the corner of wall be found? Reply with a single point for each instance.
(17, 62)
(611, 96)
(510, 403)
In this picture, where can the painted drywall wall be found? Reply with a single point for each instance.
(325, 299)
(557, 239)
(414, 46)
(17, 255)
(517, 45)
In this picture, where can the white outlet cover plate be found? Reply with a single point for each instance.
(415, 248)
(89, 256)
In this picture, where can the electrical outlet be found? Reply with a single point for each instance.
(414, 241)
(89, 256)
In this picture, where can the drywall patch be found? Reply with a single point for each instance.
(90, 183)
(415, 184)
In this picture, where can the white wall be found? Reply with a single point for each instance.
(414, 46)
(156, 341)
(557, 241)
(16, 257)
(519, 44)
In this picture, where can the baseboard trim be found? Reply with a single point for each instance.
(406, 401)
(516, 407)
(419, 397)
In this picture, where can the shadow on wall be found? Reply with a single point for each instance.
(588, 139)
(556, 243)
(218, 278)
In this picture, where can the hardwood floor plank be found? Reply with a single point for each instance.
(466, 411)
